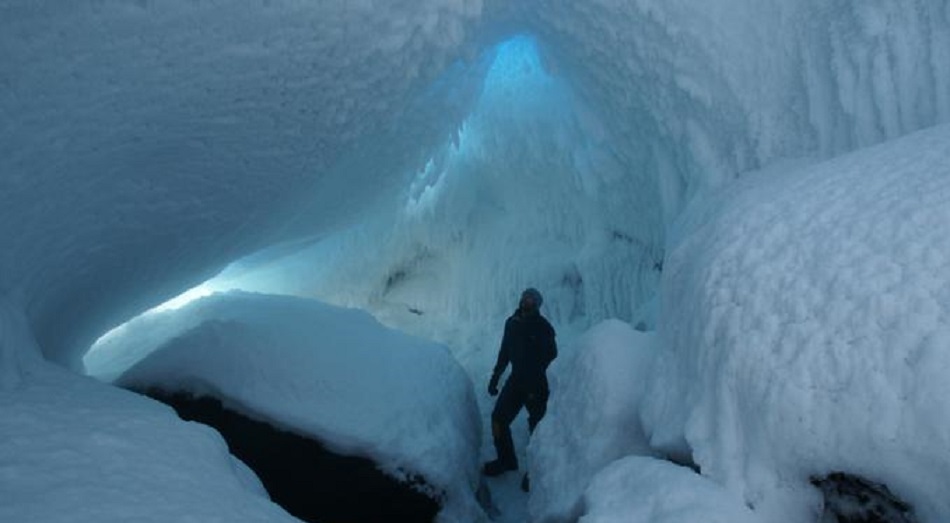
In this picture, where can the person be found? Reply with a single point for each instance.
(529, 346)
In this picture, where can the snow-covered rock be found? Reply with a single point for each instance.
(330, 373)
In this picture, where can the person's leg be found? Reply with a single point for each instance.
(537, 405)
(506, 409)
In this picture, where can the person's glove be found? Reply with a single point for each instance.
(493, 385)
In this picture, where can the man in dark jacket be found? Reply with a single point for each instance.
(529, 345)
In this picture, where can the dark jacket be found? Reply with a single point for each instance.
(529, 345)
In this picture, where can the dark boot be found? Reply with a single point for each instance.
(505, 448)
(525, 483)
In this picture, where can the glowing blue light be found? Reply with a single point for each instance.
(517, 63)
(515, 81)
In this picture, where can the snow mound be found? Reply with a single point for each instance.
(76, 450)
(646, 490)
(335, 374)
(806, 330)
(593, 417)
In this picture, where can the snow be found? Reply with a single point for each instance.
(646, 490)
(593, 417)
(77, 450)
(805, 325)
(330, 373)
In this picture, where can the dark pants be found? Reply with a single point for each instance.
(513, 397)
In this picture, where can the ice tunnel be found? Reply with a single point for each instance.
(425, 161)
(655, 103)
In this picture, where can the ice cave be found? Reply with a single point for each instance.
(257, 257)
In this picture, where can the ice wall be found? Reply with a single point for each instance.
(143, 145)
(697, 92)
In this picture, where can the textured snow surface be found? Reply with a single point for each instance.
(593, 417)
(806, 330)
(646, 490)
(332, 373)
(77, 450)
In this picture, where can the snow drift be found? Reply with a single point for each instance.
(316, 370)
(75, 450)
(805, 328)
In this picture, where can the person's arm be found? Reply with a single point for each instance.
(502, 362)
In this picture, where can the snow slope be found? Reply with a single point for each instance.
(77, 450)
(805, 328)
(330, 373)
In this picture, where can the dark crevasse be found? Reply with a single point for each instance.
(301, 475)
(853, 499)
